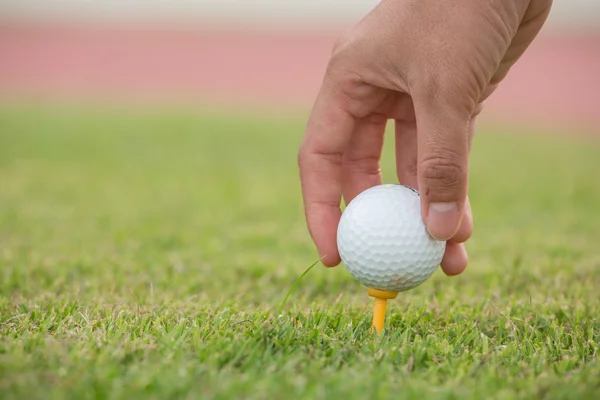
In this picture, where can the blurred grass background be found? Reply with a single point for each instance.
(188, 196)
(146, 254)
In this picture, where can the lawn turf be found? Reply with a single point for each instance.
(145, 255)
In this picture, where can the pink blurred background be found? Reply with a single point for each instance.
(267, 55)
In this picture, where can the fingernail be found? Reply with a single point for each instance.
(442, 220)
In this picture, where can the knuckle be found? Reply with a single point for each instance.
(343, 57)
(310, 158)
(443, 176)
(339, 53)
(368, 165)
(344, 41)
(409, 167)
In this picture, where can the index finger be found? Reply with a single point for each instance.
(327, 135)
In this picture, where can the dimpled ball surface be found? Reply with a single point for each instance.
(383, 241)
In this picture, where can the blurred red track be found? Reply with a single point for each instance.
(556, 82)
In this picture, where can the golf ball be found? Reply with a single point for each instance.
(383, 241)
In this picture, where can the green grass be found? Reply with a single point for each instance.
(145, 255)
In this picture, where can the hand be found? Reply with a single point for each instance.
(428, 65)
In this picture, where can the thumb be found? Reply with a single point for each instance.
(442, 163)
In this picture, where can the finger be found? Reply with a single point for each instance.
(442, 159)
(406, 169)
(360, 162)
(455, 259)
(406, 153)
(465, 230)
(327, 135)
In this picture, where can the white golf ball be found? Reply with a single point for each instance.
(383, 241)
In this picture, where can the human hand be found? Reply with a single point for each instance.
(428, 65)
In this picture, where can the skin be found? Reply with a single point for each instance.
(428, 65)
